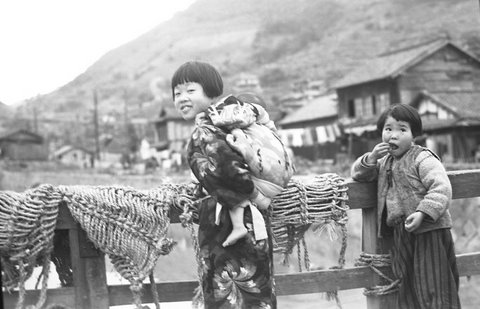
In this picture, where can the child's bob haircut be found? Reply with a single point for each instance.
(402, 112)
(199, 72)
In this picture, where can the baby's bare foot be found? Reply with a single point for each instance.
(234, 236)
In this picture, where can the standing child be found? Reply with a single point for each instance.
(414, 193)
(234, 151)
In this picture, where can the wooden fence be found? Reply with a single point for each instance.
(90, 288)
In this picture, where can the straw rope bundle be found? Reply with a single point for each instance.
(127, 224)
(321, 202)
(27, 224)
(131, 225)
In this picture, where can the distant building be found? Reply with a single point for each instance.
(312, 131)
(439, 78)
(23, 145)
(247, 83)
(172, 132)
(451, 121)
(75, 156)
(301, 93)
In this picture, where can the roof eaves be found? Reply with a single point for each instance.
(419, 57)
(401, 68)
(440, 102)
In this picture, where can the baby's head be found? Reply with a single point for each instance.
(251, 98)
(402, 112)
(195, 85)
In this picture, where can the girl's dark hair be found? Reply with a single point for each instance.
(402, 112)
(199, 72)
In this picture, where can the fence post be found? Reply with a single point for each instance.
(373, 245)
(89, 272)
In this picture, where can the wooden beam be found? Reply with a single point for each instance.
(64, 296)
(465, 183)
(324, 281)
(167, 292)
(65, 220)
(286, 284)
(89, 273)
(468, 264)
(361, 194)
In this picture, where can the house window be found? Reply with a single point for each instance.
(364, 107)
(383, 102)
(374, 104)
(368, 107)
(358, 102)
(351, 108)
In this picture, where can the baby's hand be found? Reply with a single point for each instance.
(413, 221)
(378, 152)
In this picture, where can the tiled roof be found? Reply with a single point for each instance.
(392, 64)
(318, 108)
(465, 104)
(12, 135)
(436, 124)
(67, 148)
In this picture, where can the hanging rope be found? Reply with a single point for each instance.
(127, 224)
(320, 203)
(27, 224)
(375, 261)
(189, 215)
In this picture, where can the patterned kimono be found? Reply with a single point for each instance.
(240, 275)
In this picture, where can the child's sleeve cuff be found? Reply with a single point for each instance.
(364, 162)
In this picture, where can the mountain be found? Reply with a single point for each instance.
(281, 41)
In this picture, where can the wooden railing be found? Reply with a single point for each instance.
(90, 288)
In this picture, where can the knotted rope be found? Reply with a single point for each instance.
(375, 261)
(131, 225)
(127, 224)
(27, 224)
(319, 203)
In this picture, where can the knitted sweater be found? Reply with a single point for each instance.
(419, 182)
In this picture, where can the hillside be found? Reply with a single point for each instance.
(281, 41)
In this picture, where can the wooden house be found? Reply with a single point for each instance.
(302, 92)
(452, 122)
(247, 83)
(172, 132)
(23, 145)
(440, 68)
(74, 156)
(312, 131)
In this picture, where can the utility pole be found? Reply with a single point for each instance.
(125, 107)
(35, 119)
(95, 124)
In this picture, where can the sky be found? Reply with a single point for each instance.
(44, 44)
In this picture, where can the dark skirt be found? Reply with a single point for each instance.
(427, 267)
(237, 276)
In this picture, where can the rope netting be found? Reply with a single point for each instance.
(131, 225)
(376, 261)
(319, 204)
(27, 224)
